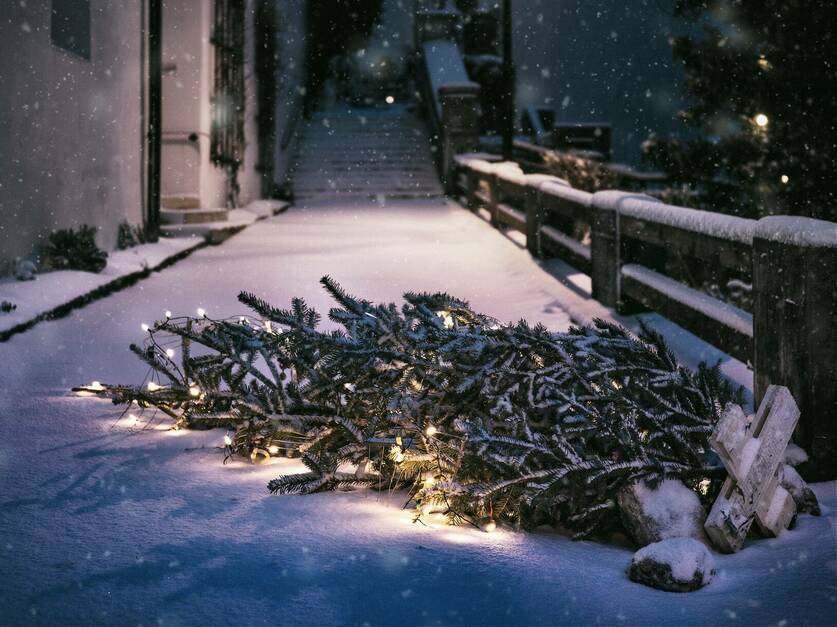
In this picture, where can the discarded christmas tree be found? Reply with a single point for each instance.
(481, 421)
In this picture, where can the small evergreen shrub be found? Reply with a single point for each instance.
(70, 249)
(130, 235)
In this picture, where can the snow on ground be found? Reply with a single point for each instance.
(53, 289)
(102, 525)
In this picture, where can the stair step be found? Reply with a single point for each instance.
(175, 201)
(192, 216)
(366, 154)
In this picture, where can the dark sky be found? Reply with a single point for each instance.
(601, 60)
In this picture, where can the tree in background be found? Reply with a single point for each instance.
(334, 27)
(757, 74)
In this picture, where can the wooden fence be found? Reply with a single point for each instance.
(790, 338)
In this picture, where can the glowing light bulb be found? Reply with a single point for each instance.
(428, 483)
(785, 179)
(431, 431)
(169, 353)
(390, 99)
(227, 440)
(145, 328)
(489, 526)
(761, 120)
(259, 456)
(153, 387)
(201, 312)
(273, 449)
(447, 318)
(168, 315)
(194, 390)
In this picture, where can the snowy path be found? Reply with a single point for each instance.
(100, 525)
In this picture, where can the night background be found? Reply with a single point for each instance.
(418, 312)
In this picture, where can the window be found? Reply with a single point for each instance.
(70, 26)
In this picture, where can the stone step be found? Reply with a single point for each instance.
(180, 201)
(192, 216)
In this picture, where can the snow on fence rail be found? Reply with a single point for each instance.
(791, 336)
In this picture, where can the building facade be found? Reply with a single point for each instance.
(77, 133)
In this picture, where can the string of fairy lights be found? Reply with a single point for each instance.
(183, 395)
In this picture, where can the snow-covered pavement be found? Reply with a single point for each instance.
(99, 524)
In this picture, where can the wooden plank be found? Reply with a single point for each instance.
(752, 454)
(511, 192)
(567, 207)
(716, 322)
(481, 198)
(511, 217)
(730, 254)
(554, 243)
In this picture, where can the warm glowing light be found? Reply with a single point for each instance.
(194, 390)
(169, 353)
(761, 120)
(431, 431)
(227, 440)
(390, 99)
(259, 456)
(273, 449)
(428, 483)
(785, 179)
(168, 315)
(145, 328)
(489, 526)
(446, 317)
(201, 312)
(153, 387)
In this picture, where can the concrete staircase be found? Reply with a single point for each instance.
(363, 154)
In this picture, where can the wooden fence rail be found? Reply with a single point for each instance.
(790, 338)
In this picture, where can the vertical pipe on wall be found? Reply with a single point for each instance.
(155, 115)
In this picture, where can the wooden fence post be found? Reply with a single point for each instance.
(493, 198)
(605, 248)
(459, 125)
(795, 327)
(473, 183)
(534, 217)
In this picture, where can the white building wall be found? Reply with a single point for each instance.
(71, 145)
